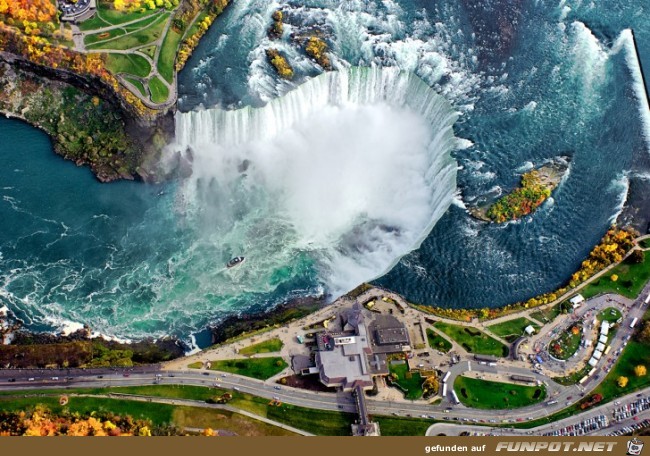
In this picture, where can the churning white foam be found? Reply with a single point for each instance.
(353, 167)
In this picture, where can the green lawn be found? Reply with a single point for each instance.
(319, 422)
(547, 315)
(512, 328)
(398, 426)
(146, 21)
(631, 279)
(473, 340)
(260, 368)
(198, 417)
(566, 344)
(635, 353)
(199, 393)
(134, 39)
(93, 23)
(159, 91)
(610, 314)
(148, 50)
(437, 342)
(138, 84)
(410, 381)
(645, 243)
(131, 64)
(486, 394)
(268, 346)
(98, 38)
(167, 56)
(114, 17)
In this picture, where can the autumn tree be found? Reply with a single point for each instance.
(622, 381)
(640, 370)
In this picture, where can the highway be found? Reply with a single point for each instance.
(319, 400)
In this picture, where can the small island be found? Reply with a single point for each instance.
(536, 186)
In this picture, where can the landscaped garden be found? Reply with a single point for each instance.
(268, 346)
(260, 368)
(486, 394)
(437, 342)
(567, 343)
(473, 340)
(409, 382)
(512, 329)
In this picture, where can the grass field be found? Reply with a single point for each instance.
(138, 84)
(645, 243)
(437, 342)
(148, 50)
(403, 426)
(93, 40)
(410, 381)
(159, 91)
(197, 417)
(486, 394)
(260, 368)
(114, 17)
(473, 340)
(512, 328)
(137, 37)
(268, 346)
(167, 56)
(130, 64)
(631, 279)
(610, 314)
(635, 353)
(182, 416)
(547, 315)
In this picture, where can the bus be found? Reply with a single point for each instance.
(455, 397)
(444, 390)
(633, 322)
(446, 377)
(647, 300)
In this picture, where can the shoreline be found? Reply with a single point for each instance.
(237, 327)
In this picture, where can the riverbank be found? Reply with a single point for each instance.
(85, 125)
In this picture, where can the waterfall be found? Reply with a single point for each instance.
(352, 167)
(626, 41)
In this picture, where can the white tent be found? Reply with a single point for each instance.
(598, 354)
(593, 362)
(530, 329)
(603, 339)
(577, 300)
(600, 346)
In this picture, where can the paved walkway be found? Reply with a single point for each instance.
(79, 36)
(196, 403)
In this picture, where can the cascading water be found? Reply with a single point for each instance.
(352, 170)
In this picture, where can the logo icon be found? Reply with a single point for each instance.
(634, 447)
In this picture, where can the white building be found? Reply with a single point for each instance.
(577, 300)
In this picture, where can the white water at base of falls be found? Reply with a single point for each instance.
(352, 168)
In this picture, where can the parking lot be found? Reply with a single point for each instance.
(582, 428)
